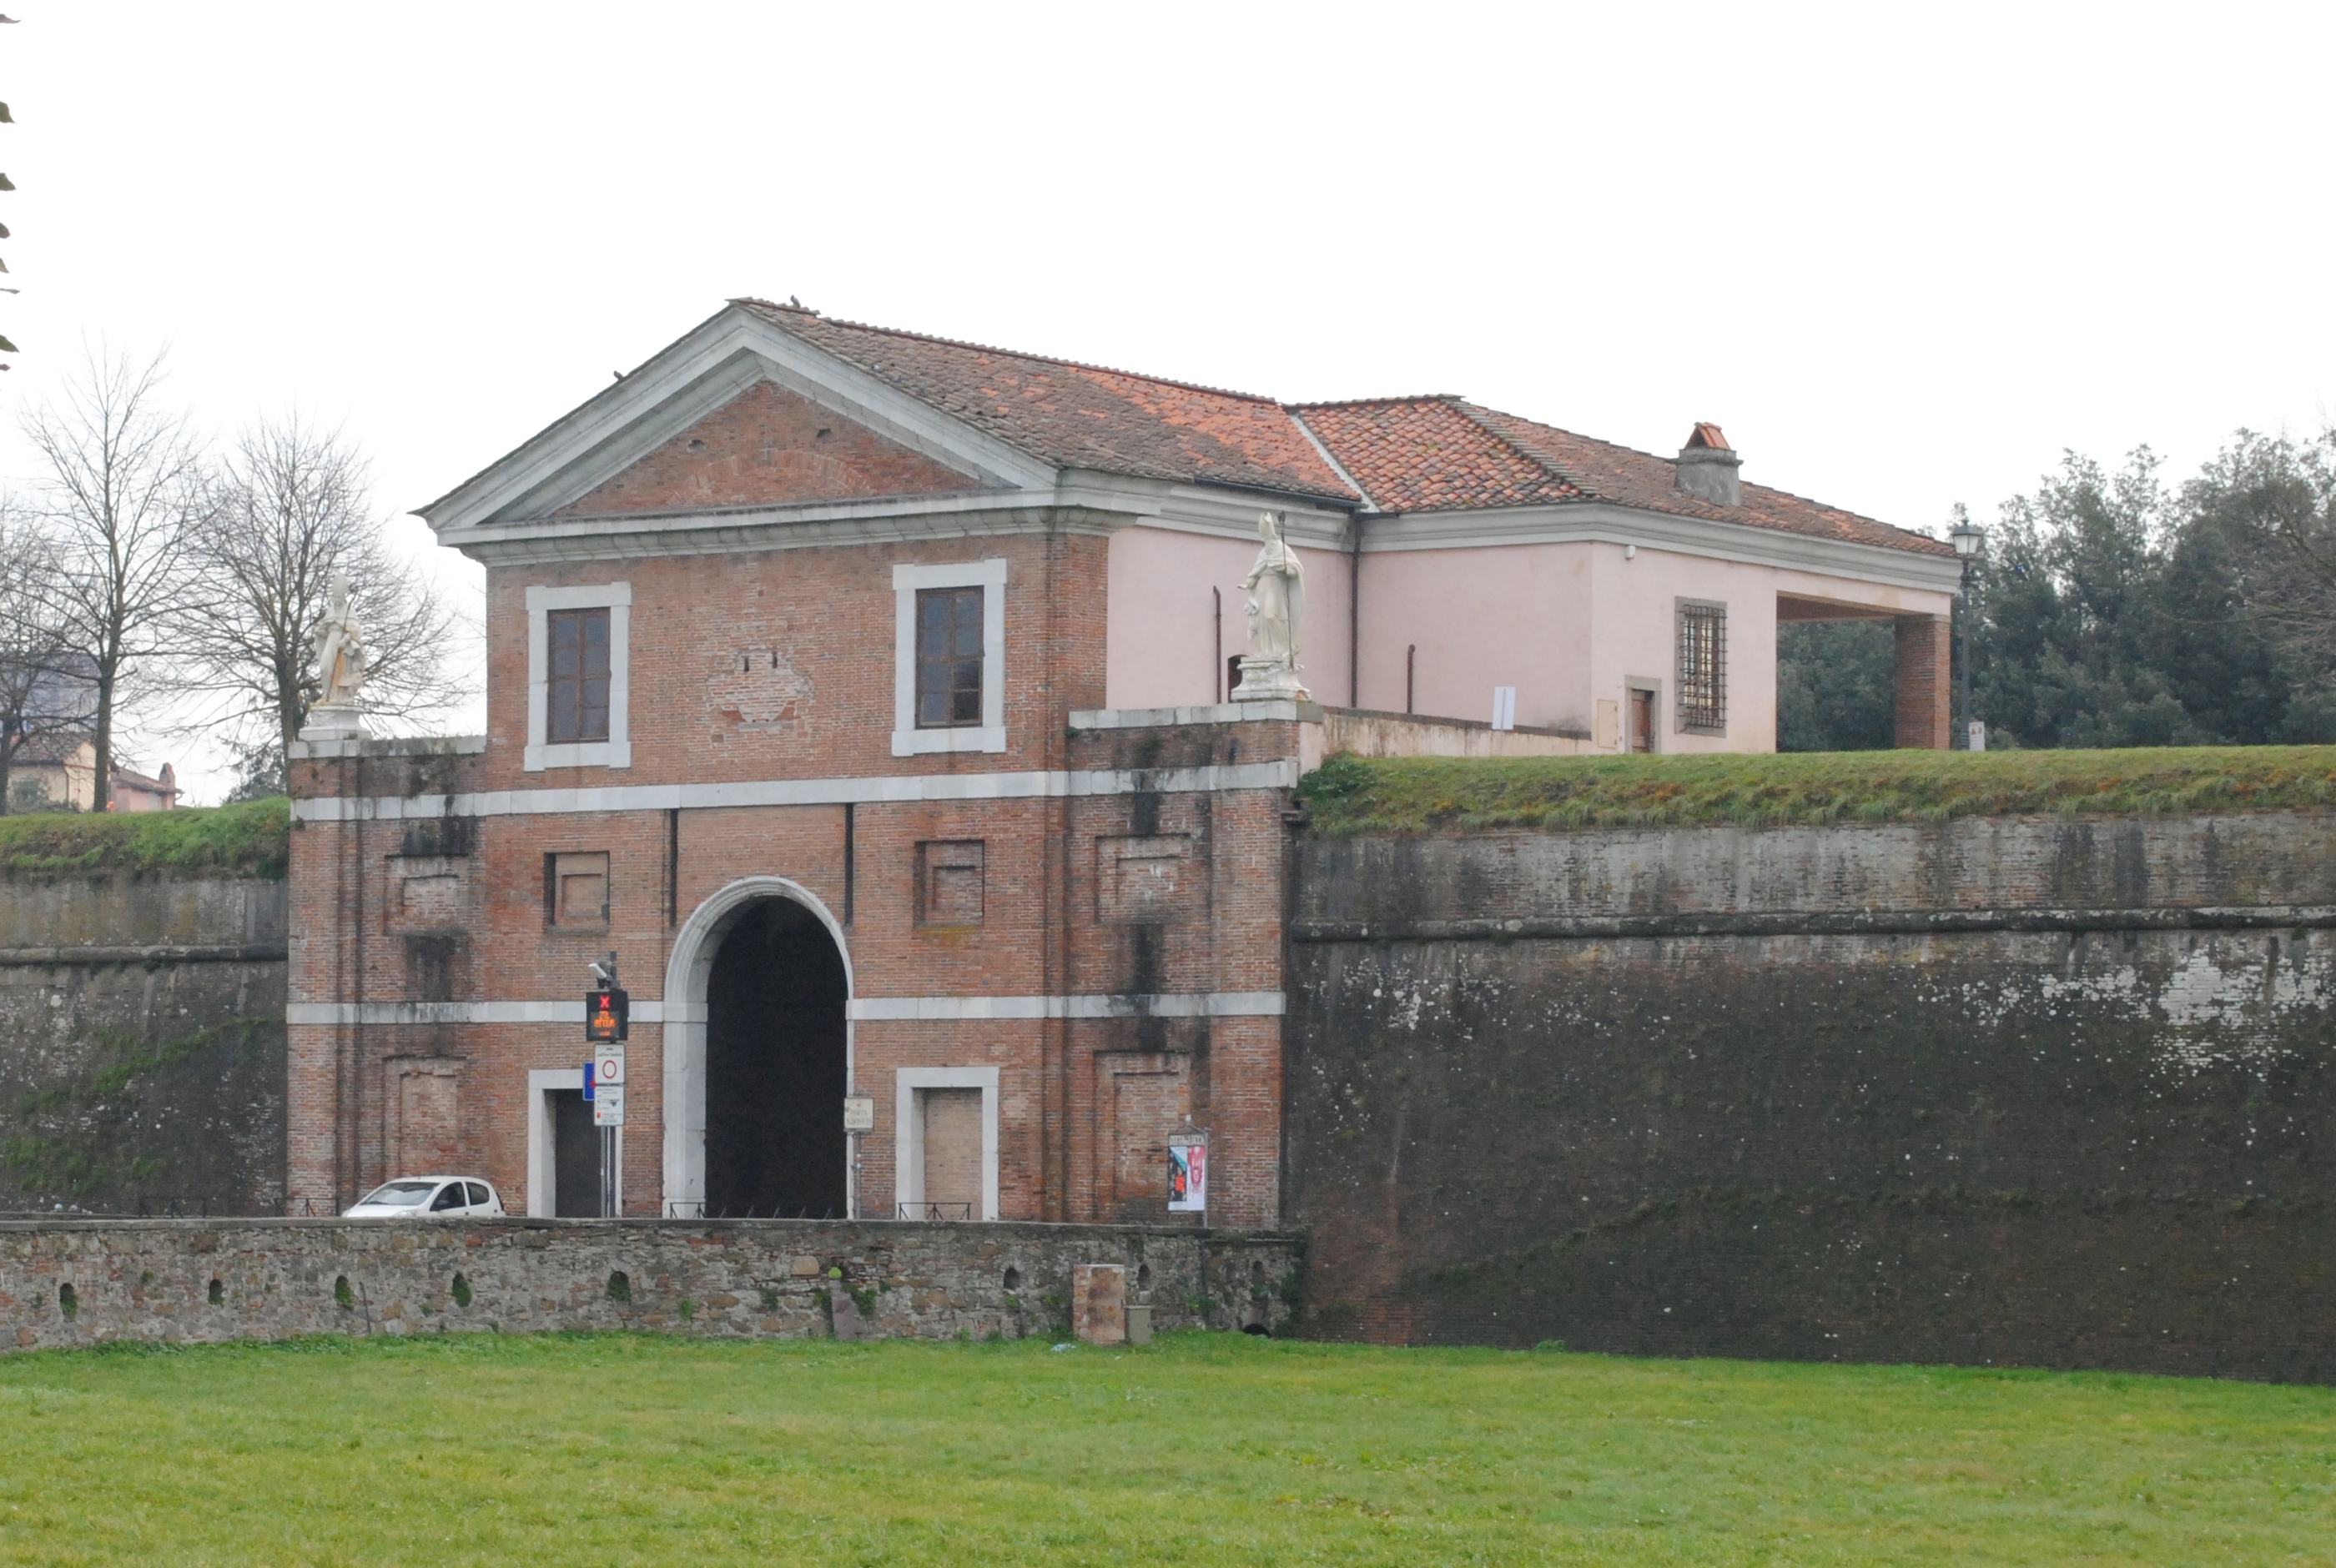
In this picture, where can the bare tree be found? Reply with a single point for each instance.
(290, 509)
(122, 489)
(44, 688)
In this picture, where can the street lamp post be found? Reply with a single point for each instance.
(1969, 540)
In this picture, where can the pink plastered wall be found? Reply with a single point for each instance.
(1502, 615)
(1571, 624)
(1161, 637)
(1635, 603)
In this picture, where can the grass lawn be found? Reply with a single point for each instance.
(1350, 794)
(1214, 1449)
(249, 839)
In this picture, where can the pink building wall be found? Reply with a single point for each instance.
(1501, 615)
(1569, 626)
(1161, 631)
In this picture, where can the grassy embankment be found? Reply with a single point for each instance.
(1430, 794)
(1217, 1448)
(253, 839)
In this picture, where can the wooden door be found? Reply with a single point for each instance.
(1642, 719)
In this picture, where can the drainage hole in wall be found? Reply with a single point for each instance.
(460, 1292)
(67, 1303)
(620, 1289)
(1013, 1278)
(218, 1293)
(342, 1294)
(1144, 1276)
(1257, 1273)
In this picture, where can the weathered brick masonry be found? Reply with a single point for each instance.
(2036, 1091)
(1085, 1102)
(188, 1282)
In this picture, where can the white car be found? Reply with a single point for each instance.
(431, 1198)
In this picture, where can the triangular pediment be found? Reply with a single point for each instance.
(768, 446)
(737, 414)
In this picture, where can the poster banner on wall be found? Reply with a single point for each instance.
(1188, 1173)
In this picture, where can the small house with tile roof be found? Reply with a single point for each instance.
(874, 700)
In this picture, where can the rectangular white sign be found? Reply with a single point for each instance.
(607, 1105)
(607, 1068)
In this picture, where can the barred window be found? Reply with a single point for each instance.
(1703, 668)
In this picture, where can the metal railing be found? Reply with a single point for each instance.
(934, 1211)
(698, 1209)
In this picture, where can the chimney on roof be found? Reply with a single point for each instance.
(1708, 465)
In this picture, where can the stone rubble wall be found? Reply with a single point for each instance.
(153, 1281)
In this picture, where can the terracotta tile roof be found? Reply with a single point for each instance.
(1447, 454)
(1082, 416)
(1425, 454)
(1421, 454)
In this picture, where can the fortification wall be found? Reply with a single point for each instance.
(178, 1281)
(142, 1044)
(2033, 1089)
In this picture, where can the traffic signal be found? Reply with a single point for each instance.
(606, 1015)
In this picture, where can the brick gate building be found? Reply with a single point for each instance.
(866, 694)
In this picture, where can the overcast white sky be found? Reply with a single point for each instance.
(1904, 256)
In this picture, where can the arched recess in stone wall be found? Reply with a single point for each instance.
(687, 974)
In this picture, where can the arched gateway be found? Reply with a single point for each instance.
(757, 1054)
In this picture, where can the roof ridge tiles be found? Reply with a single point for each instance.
(1377, 402)
(1474, 414)
(1011, 353)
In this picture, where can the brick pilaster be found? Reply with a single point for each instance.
(1924, 665)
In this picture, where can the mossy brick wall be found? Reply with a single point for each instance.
(142, 1044)
(2030, 1091)
(180, 1282)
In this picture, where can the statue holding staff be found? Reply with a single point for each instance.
(1277, 615)
(340, 649)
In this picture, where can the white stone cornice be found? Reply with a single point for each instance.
(1080, 502)
(1603, 522)
(1288, 713)
(859, 1009)
(984, 513)
(878, 791)
(389, 745)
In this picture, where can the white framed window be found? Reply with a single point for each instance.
(590, 653)
(939, 702)
(926, 1094)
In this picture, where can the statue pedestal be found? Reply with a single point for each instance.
(333, 725)
(1270, 681)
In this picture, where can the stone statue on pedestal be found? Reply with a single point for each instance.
(1277, 615)
(341, 666)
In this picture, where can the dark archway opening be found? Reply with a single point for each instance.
(775, 1074)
